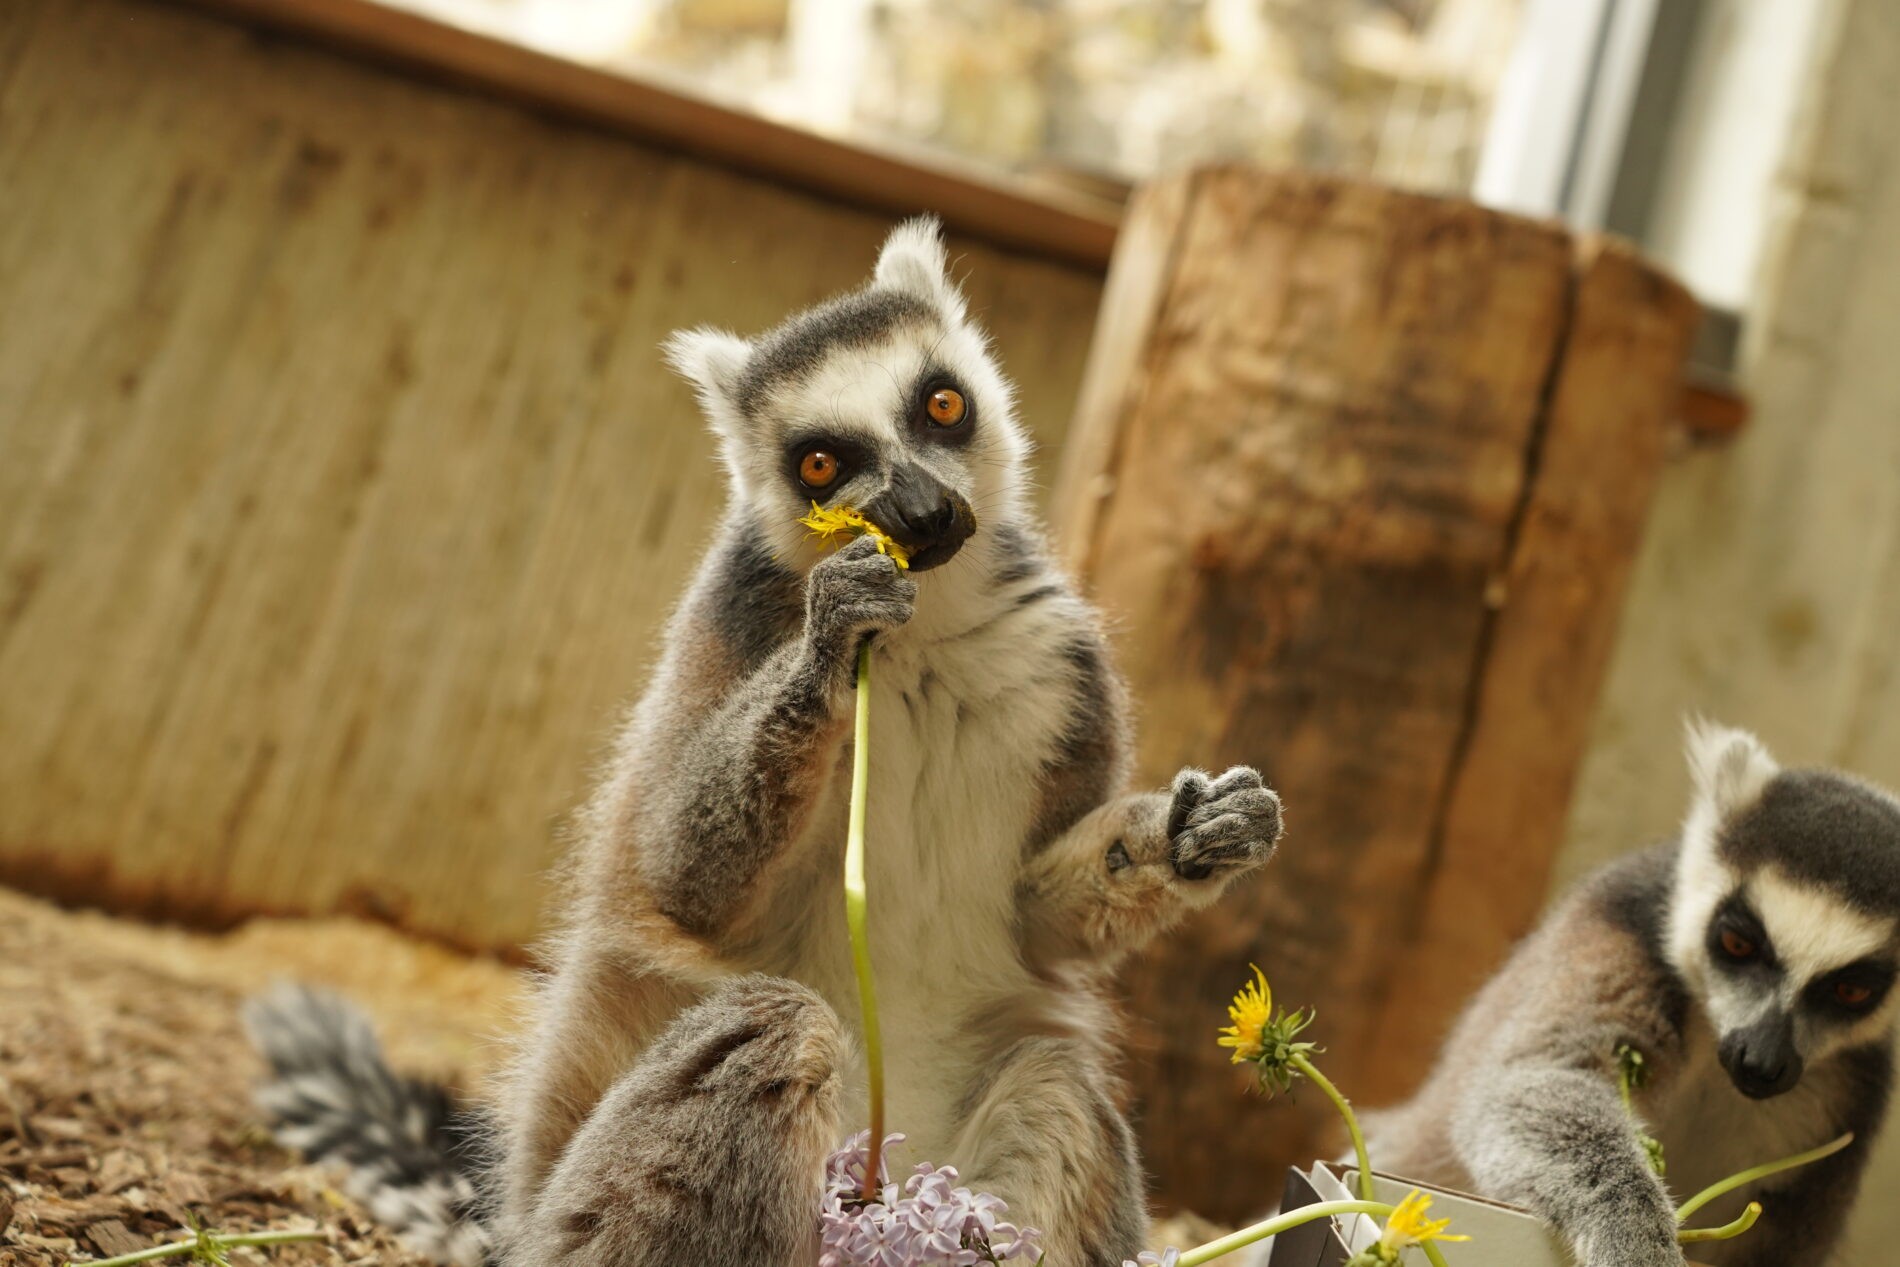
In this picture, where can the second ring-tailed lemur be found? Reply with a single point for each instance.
(1751, 965)
(688, 1066)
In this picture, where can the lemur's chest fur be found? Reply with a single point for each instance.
(967, 711)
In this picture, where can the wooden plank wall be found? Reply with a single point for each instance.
(341, 488)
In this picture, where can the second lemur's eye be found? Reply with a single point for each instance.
(818, 469)
(946, 407)
(1851, 994)
(1736, 946)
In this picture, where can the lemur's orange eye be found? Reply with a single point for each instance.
(818, 469)
(1736, 946)
(1851, 994)
(946, 407)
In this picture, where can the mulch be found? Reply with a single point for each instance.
(125, 1112)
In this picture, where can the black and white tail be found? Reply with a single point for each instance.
(412, 1157)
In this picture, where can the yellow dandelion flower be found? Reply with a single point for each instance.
(828, 523)
(1251, 1012)
(1408, 1225)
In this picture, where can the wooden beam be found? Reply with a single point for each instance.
(1036, 217)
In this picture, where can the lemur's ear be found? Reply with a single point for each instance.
(1730, 767)
(712, 361)
(913, 261)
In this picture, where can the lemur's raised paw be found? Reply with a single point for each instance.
(854, 593)
(1638, 1255)
(1636, 1229)
(1221, 825)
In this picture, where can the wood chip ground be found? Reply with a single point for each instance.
(125, 1112)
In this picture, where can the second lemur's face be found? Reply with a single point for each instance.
(1786, 916)
(884, 399)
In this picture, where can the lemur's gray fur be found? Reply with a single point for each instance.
(1751, 1057)
(676, 1094)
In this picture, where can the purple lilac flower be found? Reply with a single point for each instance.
(931, 1223)
(1150, 1258)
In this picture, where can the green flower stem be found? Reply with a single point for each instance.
(1733, 1182)
(1318, 1079)
(1746, 1220)
(854, 911)
(1286, 1222)
(206, 1241)
(1281, 1223)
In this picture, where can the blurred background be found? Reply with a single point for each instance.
(342, 491)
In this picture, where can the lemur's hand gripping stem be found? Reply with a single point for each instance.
(854, 911)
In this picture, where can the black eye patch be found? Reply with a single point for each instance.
(932, 430)
(1737, 940)
(854, 458)
(1851, 991)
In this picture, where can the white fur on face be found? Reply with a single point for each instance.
(864, 393)
(1813, 933)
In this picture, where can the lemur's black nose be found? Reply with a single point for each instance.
(1761, 1059)
(928, 519)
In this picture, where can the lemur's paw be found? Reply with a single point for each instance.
(854, 593)
(1669, 1255)
(1642, 1236)
(1229, 824)
(757, 1034)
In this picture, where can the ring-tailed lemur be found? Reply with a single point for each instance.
(668, 1108)
(1751, 964)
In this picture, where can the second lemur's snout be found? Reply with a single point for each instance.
(1761, 1058)
(930, 520)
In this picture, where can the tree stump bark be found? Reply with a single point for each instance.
(1359, 477)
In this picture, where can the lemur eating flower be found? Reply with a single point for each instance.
(1750, 964)
(690, 1064)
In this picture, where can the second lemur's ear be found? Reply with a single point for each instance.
(1730, 767)
(913, 261)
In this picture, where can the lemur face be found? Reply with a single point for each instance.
(1786, 916)
(885, 399)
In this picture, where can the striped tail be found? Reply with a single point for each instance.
(410, 1155)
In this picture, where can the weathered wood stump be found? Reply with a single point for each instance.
(1359, 475)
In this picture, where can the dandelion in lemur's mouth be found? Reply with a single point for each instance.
(830, 523)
